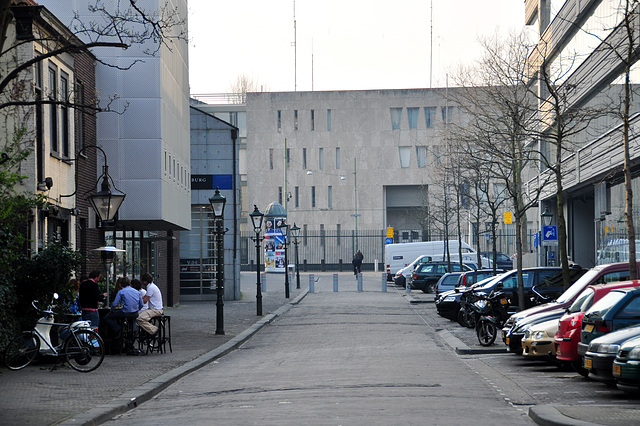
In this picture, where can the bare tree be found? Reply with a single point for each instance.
(243, 85)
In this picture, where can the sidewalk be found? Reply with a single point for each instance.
(37, 396)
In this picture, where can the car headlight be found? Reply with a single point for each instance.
(634, 353)
(608, 348)
(538, 335)
(449, 299)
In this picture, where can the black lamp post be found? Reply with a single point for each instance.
(546, 218)
(295, 232)
(283, 229)
(256, 219)
(107, 201)
(218, 202)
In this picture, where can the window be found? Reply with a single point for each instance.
(39, 123)
(396, 118)
(322, 235)
(437, 156)
(329, 197)
(64, 114)
(304, 158)
(270, 158)
(338, 229)
(447, 113)
(79, 96)
(337, 157)
(279, 121)
(321, 158)
(499, 192)
(313, 196)
(405, 156)
(421, 156)
(412, 115)
(280, 194)
(295, 120)
(297, 196)
(288, 157)
(328, 120)
(53, 110)
(313, 120)
(429, 116)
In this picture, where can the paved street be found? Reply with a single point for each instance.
(336, 358)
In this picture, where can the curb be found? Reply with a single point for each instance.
(131, 399)
(549, 415)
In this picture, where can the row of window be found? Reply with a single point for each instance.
(313, 116)
(174, 170)
(296, 197)
(413, 114)
(304, 163)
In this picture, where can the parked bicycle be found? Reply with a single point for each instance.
(77, 343)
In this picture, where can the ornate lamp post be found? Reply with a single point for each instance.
(545, 218)
(256, 219)
(218, 202)
(284, 228)
(295, 232)
(106, 202)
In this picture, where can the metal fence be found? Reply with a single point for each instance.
(333, 251)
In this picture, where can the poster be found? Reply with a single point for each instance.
(274, 243)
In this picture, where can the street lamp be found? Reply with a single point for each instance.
(108, 253)
(546, 216)
(283, 229)
(218, 202)
(295, 232)
(256, 219)
(106, 202)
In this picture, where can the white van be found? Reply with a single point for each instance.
(398, 256)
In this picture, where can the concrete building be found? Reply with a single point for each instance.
(214, 164)
(146, 142)
(592, 176)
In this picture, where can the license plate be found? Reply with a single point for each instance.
(588, 328)
(507, 340)
(616, 370)
(588, 363)
(503, 301)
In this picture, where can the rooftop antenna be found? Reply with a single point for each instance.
(312, 65)
(295, 50)
(431, 48)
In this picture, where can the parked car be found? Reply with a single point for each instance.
(515, 335)
(570, 324)
(471, 277)
(503, 261)
(626, 366)
(537, 341)
(426, 275)
(618, 309)
(599, 355)
(601, 274)
(447, 282)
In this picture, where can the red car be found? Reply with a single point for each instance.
(570, 324)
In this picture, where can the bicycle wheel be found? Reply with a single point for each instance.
(21, 351)
(84, 350)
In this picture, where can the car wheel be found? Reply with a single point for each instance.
(465, 319)
(431, 288)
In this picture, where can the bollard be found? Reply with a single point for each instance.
(311, 283)
(375, 265)
(384, 283)
(408, 287)
(335, 283)
(359, 282)
(264, 282)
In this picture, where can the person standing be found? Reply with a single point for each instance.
(357, 263)
(154, 300)
(89, 296)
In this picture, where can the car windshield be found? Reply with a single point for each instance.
(583, 302)
(577, 287)
(602, 306)
(487, 283)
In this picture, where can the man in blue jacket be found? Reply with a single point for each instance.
(131, 302)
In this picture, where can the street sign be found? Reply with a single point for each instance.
(550, 235)
(388, 240)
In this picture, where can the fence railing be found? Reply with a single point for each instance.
(333, 251)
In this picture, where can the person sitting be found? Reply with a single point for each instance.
(154, 299)
(130, 300)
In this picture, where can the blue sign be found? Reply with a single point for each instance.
(536, 239)
(388, 240)
(550, 235)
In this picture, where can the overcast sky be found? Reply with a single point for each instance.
(354, 44)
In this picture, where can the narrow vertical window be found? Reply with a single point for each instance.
(279, 121)
(39, 123)
(270, 158)
(337, 157)
(313, 196)
(313, 120)
(295, 120)
(421, 156)
(328, 120)
(321, 158)
(329, 197)
(297, 196)
(53, 110)
(79, 98)
(447, 113)
(412, 115)
(396, 118)
(429, 116)
(280, 194)
(405, 156)
(64, 115)
(304, 158)
(305, 234)
(288, 156)
(338, 231)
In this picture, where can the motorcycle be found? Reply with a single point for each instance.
(466, 317)
(490, 313)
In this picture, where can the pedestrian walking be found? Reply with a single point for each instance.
(357, 262)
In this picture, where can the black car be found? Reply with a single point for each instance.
(447, 282)
(448, 303)
(471, 277)
(426, 275)
(599, 354)
(502, 260)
